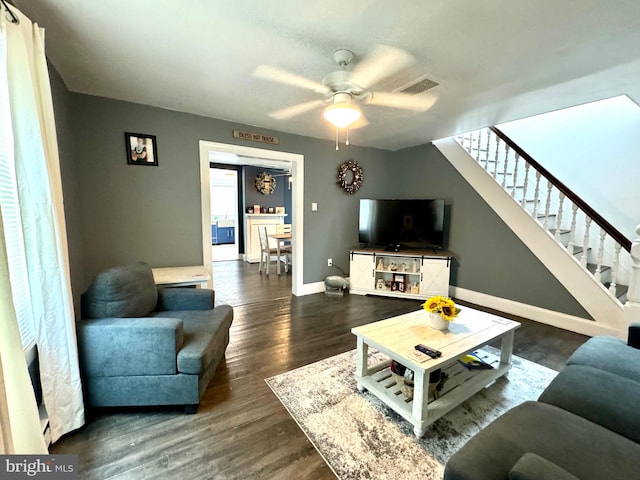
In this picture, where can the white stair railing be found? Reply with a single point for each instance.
(604, 255)
(632, 306)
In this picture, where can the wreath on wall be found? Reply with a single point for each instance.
(350, 176)
(265, 183)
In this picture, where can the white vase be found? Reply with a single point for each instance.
(437, 322)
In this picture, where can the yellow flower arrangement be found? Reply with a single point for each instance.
(442, 305)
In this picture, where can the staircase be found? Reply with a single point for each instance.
(587, 254)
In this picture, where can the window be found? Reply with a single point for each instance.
(10, 208)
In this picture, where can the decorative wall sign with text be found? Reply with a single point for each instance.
(256, 137)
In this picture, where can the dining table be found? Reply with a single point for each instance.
(280, 238)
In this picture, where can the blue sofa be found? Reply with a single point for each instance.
(140, 345)
(585, 425)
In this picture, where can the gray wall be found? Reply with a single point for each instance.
(153, 213)
(70, 183)
(281, 197)
(133, 212)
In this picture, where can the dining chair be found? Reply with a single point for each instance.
(285, 246)
(267, 252)
(285, 228)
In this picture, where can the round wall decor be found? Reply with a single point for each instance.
(350, 176)
(265, 183)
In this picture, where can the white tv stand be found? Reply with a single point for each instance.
(417, 274)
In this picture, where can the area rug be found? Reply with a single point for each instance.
(361, 438)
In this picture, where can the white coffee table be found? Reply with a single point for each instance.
(396, 338)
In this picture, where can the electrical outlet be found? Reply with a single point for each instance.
(329, 262)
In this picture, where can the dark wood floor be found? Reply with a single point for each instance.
(241, 430)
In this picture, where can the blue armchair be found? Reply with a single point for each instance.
(143, 345)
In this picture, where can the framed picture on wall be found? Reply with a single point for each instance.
(141, 149)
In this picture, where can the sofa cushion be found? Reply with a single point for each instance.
(205, 334)
(604, 398)
(610, 354)
(581, 447)
(185, 298)
(124, 291)
(533, 467)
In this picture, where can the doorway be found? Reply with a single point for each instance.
(259, 157)
(224, 214)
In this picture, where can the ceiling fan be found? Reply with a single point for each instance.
(343, 89)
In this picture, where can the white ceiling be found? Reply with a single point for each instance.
(233, 159)
(497, 60)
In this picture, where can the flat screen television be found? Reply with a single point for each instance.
(402, 224)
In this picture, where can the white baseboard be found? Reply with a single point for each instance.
(561, 320)
(310, 288)
(542, 315)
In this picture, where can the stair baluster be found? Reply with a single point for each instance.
(486, 158)
(557, 233)
(479, 149)
(600, 256)
(585, 243)
(505, 170)
(536, 194)
(613, 286)
(495, 167)
(572, 229)
(515, 175)
(547, 206)
(525, 190)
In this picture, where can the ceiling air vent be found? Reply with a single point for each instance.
(418, 86)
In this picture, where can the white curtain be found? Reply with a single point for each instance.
(20, 430)
(42, 213)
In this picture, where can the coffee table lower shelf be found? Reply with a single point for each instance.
(422, 412)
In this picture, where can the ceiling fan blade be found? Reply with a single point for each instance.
(294, 110)
(276, 74)
(382, 62)
(416, 103)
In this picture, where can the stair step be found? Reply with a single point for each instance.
(542, 215)
(592, 268)
(621, 291)
(562, 232)
(577, 250)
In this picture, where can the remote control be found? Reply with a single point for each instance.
(429, 351)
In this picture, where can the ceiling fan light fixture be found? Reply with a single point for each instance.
(342, 114)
